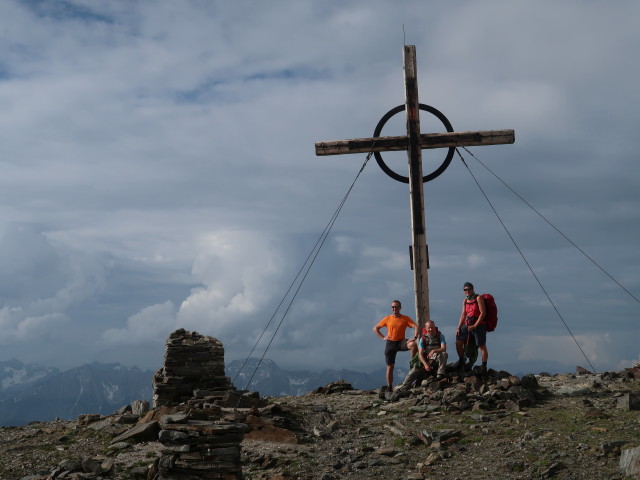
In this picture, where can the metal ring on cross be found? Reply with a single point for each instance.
(437, 172)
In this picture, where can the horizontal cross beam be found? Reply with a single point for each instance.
(429, 140)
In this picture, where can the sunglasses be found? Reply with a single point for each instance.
(467, 289)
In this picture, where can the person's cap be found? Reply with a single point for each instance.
(468, 284)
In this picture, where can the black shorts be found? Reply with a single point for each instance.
(479, 334)
(391, 348)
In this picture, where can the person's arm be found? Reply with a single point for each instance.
(376, 330)
(423, 359)
(482, 308)
(415, 327)
(462, 317)
(443, 348)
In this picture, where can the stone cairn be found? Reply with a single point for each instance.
(200, 441)
(191, 362)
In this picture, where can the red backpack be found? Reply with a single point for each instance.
(491, 312)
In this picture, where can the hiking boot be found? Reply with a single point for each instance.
(383, 390)
(398, 394)
(458, 365)
(483, 371)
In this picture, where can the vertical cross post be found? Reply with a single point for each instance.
(420, 259)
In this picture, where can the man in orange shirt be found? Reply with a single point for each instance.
(396, 326)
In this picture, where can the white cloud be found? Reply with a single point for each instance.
(229, 296)
(563, 349)
(18, 326)
(622, 364)
(476, 260)
(151, 325)
(238, 270)
(44, 326)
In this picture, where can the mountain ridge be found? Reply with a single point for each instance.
(31, 392)
(270, 379)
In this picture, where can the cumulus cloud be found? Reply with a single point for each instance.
(19, 326)
(150, 325)
(238, 270)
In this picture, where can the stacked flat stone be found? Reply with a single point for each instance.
(192, 361)
(200, 449)
(198, 442)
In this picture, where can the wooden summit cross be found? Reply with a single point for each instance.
(414, 142)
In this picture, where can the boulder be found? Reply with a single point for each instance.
(144, 432)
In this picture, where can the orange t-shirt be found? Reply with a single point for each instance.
(396, 326)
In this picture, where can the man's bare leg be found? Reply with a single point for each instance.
(390, 376)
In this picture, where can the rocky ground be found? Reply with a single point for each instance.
(561, 426)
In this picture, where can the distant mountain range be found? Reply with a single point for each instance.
(271, 380)
(31, 392)
(35, 393)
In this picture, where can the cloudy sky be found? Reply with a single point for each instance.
(158, 171)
